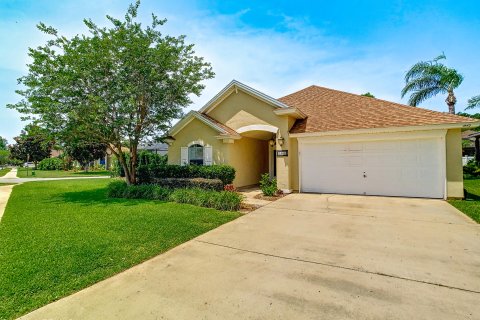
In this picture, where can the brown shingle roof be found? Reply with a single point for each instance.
(333, 110)
(229, 130)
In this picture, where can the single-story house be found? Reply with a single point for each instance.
(326, 141)
(155, 147)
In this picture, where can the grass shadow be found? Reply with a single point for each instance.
(471, 196)
(96, 197)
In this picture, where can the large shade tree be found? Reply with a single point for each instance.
(3, 143)
(426, 79)
(120, 84)
(33, 144)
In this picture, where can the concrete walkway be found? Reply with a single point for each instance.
(250, 197)
(304, 257)
(4, 195)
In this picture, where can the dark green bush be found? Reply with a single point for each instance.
(120, 189)
(50, 164)
(183, 183)
(148, 173)
(268, 185)
(471, 168)
(223, 200)
(116, 189)
(220, 200)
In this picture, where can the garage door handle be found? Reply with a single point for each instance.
(364, 174)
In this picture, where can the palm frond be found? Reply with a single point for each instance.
(423, 83)
(419, 96)
(473, 102)
(440, 57)
(425, 79)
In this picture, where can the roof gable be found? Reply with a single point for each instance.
(219, 127)
(333, 110)
(235, 85)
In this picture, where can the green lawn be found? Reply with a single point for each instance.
(4, 171)
(57, 237)
(471, 205)
(22, 173)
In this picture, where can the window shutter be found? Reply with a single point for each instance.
(184, 156)
(207, 156)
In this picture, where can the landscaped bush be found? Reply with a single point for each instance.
(471, 169)
(120, 189)
(148, 173)
(223, 200)
(50, 164)
(268, 185)
(183, 183)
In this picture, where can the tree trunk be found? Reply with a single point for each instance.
(477, 150)
(451, 101)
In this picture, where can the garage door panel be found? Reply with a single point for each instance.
(394, 168)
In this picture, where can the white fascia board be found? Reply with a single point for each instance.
(293, 112)
(391, 129)
(237, 84)
(188, 118)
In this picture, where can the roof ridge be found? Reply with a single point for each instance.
(366, 97)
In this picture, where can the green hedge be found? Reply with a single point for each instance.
(221, 200)
(148, 173)
(183, 183)
(50, 164)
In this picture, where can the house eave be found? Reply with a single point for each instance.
(189, 117)
(292, 112)
(388, 129)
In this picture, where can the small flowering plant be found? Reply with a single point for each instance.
(229, 187)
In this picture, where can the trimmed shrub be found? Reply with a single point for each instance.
(50, 164)
(471, 168)
(220, 200)
(120, 189)
(116, 189)
(148, 173)
(223, 200)
(268, 185)
(183, 183)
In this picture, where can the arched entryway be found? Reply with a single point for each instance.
(259, 151)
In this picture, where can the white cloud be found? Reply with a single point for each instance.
(279, 60)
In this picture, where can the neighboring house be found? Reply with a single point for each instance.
(158, 148)
(326, 141)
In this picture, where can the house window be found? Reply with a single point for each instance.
(195, 154)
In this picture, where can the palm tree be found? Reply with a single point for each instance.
(426, 79)
(473, 102)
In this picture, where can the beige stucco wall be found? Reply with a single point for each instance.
(197, 131)
(453, 144)
(249, 157)
(240, 109)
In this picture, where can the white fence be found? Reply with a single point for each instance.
(465, 159)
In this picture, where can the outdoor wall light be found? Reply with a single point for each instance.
(280, 141)
(271, 142)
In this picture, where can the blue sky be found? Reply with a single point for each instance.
(275, 46)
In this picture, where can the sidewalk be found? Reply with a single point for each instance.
(11, 177)
(6, 190)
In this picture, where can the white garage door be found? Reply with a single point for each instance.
(408, 168)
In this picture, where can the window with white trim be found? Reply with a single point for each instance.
(195, 154)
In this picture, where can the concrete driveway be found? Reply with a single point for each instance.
(304, 257)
